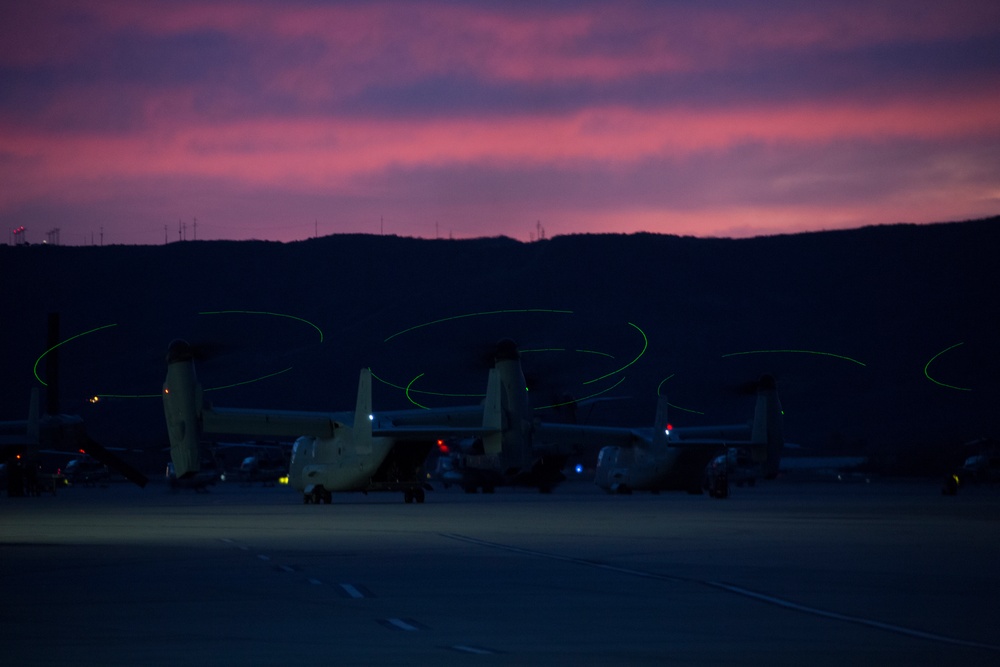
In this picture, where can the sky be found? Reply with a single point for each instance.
(153, 122)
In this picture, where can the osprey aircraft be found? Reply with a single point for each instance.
(660, 458)
(367, 451)
(653, 458)
(334, 452)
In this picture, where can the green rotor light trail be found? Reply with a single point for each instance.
(479, 314)
(942, 384)
(61, 343)
(410, 391)
(410, 398)
(263, 312)
(408, 388)
(815, 352)
(563, 349)
(596, 352)
(225, 386)
(677, 407)
(38, 361)
(258, 379)
(659, 387)
(645, 345)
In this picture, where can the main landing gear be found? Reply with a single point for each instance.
(316, 496)
(320, 496)
(413, 495)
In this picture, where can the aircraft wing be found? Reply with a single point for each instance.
(708, 433)
(468, 415)
(574, 437)
(431, 431)
(280, 423)
(577, 436)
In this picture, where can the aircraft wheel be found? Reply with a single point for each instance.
(950, 487)
(327, 497)
(408, 496)
(306, 499)
(418, 495)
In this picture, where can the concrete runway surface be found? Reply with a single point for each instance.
(889, 573)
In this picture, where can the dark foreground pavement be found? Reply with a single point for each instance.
(783, 574)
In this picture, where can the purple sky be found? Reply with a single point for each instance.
(278, 120)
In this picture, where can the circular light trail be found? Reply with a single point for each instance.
(659, 387)
(645, 346)
(98, 395)
(60, 344)
(942, 384)
(410, 390)
(815, 352)
(264, 312)
(410, 398)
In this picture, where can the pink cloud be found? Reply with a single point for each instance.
(539, 44)
(325, 103)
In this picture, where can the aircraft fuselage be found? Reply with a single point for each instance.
(337, 463)
(627, 469)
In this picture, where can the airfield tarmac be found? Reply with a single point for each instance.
(781, 574)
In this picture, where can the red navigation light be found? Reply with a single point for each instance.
(443, 448)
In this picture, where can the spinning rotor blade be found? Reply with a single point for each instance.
(99, 452)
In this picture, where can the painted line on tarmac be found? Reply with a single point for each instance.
(475, 650)
(406, 625)
(878, 625)
(353, 591)
(786, 604)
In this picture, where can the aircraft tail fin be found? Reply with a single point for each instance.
(517, 427)
(182, 404)
(767, 435)
(361, 432)
(493, 416)
(661, 425)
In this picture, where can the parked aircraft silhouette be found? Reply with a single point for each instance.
(334, 451)
(651, 458)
